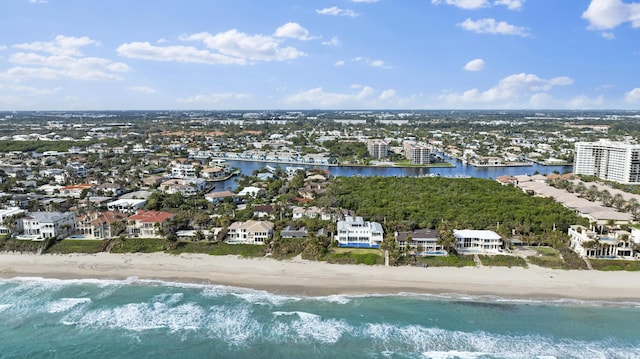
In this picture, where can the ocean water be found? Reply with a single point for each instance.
(50, 318)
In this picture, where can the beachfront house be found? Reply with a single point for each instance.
(146, 224)
(355, 232)
(98, 225)
(249, 232)
(9, 219)
(588, 243)
(422, 242)
(43, 225)
(470, 241)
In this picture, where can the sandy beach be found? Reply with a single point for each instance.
(302, 277)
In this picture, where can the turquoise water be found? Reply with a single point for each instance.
(49, 318)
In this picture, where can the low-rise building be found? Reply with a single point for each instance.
(185, 186)
(249, 232)
(43, 225)
(10, 214)
(126, 205)
(98, 225)
(423, 242)
(355, 232)
(146, 224)
(470, 241)
(588, 243)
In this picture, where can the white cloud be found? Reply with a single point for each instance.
(633, 96)
(510, 90)
(584, 102)
(478, 4)
(491, 26)
(510, 4)
(609, 14)
(29, 90)
(186, 54)
(372, 63)
(65, 61)
(339, 63)
(143, 89)
(61, 45)
(608, 35)
(292, 30)
(38, 1)
(333, 42)
(463, 4)
(474, 65)
(214, 98)
(362, 97)
(230, 47)
(243, 46)
(336, 11)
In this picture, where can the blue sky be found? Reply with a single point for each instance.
(319, 54)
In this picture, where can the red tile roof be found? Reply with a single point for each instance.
(151, 216)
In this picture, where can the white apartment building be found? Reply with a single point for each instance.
(355, 232)
(470, 241)
(612, 161)
(43, 225)
(378, 149)
(417, 153)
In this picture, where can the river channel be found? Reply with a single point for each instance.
(460, 170)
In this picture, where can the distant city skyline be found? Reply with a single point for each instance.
(325, 54)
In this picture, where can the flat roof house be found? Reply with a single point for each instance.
(355, 232)
(470, 241)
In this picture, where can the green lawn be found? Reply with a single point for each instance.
(75, 246)
(615, 265)
(447, 261)
(503, 261)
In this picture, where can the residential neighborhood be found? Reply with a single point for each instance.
(119, 181)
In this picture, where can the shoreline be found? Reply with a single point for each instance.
(309, 278)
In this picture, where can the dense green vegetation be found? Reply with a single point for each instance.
(142, 245)
(615, 265)
(557, 259)
(354, 258)
(243, 250)
(468, 203)
(14, 245)
(449, 261)
(502, 261)
(76, 246)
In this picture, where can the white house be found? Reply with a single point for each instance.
(470, 241)
(249, 232)
(6, 214)
(183, 171)
(250, 191)
(43, 225)
(588, 243)
(186, 186)
(126, 205)
(358, 233)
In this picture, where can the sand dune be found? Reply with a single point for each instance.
(316, 278)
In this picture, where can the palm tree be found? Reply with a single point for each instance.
(605, 197)
(632, 207)
(618, 201)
